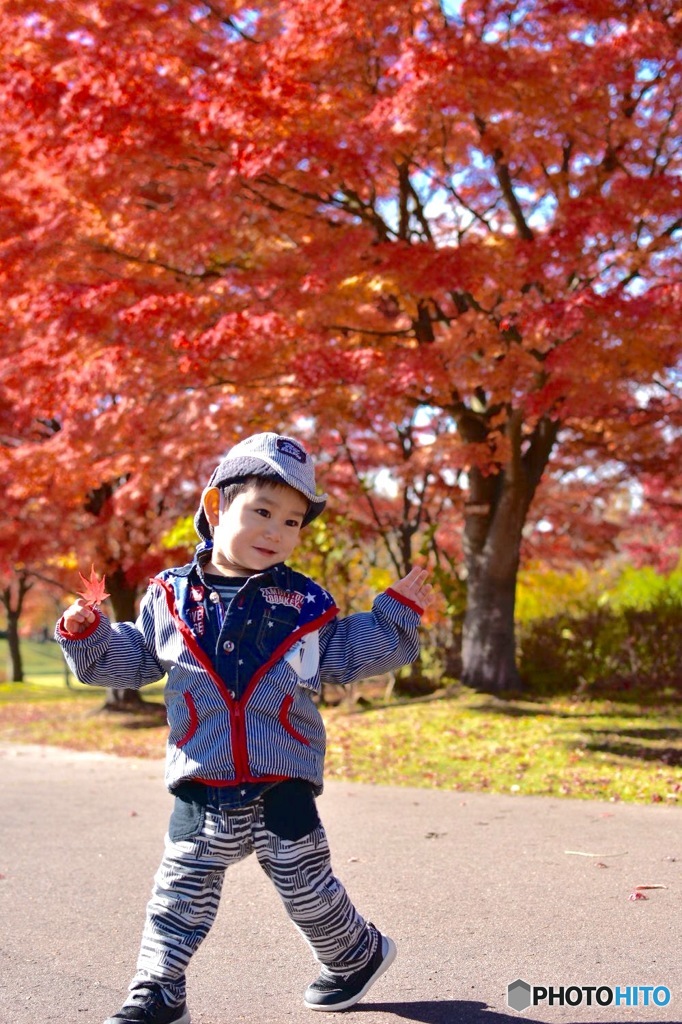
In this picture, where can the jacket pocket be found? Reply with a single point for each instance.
(275, 625)
(284, 721)
(193, 719)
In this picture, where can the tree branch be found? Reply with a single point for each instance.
(505, 180)
(385, 534)
(111, 250)
(231, 23)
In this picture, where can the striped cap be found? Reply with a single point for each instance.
(286, 456)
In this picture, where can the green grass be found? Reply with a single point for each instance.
(42, 661)
(470, 742)
(476, 743)
(47, 677)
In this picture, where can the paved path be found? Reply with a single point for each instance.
(476, 890)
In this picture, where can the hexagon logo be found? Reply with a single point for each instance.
(518, 995)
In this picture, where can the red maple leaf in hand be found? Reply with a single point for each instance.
(93, 591)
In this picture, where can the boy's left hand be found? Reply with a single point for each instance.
(415, 588)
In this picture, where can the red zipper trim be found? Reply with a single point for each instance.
(239, 751)
(286, 724)
(280, 651)
(236, 707)
(191, 641)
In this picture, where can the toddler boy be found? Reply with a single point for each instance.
(245, 643)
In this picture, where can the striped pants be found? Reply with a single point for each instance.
(187, 888)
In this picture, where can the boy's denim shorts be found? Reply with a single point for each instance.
(289, 809)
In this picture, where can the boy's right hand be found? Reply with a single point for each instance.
(78, 617)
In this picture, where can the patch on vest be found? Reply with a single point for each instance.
(304, 656)
(277, 595)
(198, 617)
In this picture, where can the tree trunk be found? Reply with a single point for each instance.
(12, 598)
(123, 599)
(493, 531)
(488, 639)
(14, 647)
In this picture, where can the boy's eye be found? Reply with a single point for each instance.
(263, 512)
(293, 522)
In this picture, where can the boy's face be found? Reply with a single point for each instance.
(258, 529)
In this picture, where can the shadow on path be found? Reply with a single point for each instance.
(624, 743)
(452, 1011)
(442, 1011)
(539, 710)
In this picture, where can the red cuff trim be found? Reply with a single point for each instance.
(405, 600)
(79, 636)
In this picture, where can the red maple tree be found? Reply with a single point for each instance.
(469, 213)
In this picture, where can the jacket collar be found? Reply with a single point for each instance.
(279, 573)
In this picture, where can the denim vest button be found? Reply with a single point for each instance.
(228, 647)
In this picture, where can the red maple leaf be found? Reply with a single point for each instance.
(93, 589)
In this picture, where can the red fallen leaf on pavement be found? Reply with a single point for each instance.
(93, 589)
(637, 896)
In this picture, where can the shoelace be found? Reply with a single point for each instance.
(144, 994)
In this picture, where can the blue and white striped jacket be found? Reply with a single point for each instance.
(248, 715)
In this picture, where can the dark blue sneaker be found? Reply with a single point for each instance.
(335, 992)
(146, 1005)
